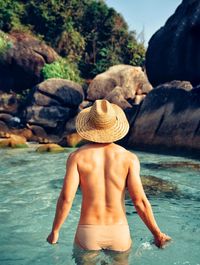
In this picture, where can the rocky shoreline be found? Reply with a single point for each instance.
(164, 115)
(166, 120)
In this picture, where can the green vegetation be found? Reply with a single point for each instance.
(88, 33)
(5, 44)
(137, 52)
(61, 69)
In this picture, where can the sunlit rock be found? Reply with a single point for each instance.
(50, 148)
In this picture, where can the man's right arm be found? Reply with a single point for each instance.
(141, 202)
(64, 203)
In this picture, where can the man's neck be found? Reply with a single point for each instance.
(100, 144)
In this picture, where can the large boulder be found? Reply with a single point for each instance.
(20, 66)
(120, 85)
(174, 50)
(168, 119)
(53, 103)
(57, 91)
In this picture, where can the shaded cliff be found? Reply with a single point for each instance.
(174, 50)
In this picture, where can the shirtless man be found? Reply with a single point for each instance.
(103, 170)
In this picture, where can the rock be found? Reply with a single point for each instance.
(85, 104)
(37, 131)
(74, 140)
(70, 126)
(132, 113)
(4, 130)
(139, 99)
(40, 135)
(50, 148)
(10, 110)
(177, 84)
(167, 119)
(15, 122)
(3, 127)
(116, 96)
(14, 141)
(47, 116)
(9, 103)
(70, 136)
(43, 140)
(5, 117)
(25, 133)
(156, 186)
(179, 165)
(43, 100)
(21, 65)
(63, 92)
(53, 103)
(174, 51)
(120, 84)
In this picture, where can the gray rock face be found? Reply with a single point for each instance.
(53, 103)
(120, 85)
(65, 92)
(168, 118)
(20, 66)
(174, 50)
(9, 110)
(44, 100)
(47, 116)
(176, 84)
(9, 103)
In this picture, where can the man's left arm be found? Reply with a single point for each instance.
(65, 200)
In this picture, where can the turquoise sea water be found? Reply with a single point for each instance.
(30, 184)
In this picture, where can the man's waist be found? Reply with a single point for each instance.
(90, 217)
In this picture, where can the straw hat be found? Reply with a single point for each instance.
(104, 122)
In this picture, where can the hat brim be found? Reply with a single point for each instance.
(88, 131)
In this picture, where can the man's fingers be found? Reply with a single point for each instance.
(167, 238)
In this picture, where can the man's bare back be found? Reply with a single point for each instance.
(103, 169)
(103, 172)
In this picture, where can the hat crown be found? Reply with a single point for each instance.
(104, 122)
(102, 114)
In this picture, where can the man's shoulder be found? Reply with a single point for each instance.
(119, 148)
(73, 155)
(130, 157)
(133, 156)
(78, 152)
(125, 151)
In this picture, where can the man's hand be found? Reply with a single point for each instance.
(161, 239)
(53, 237)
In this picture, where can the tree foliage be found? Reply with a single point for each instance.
(86, 32)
